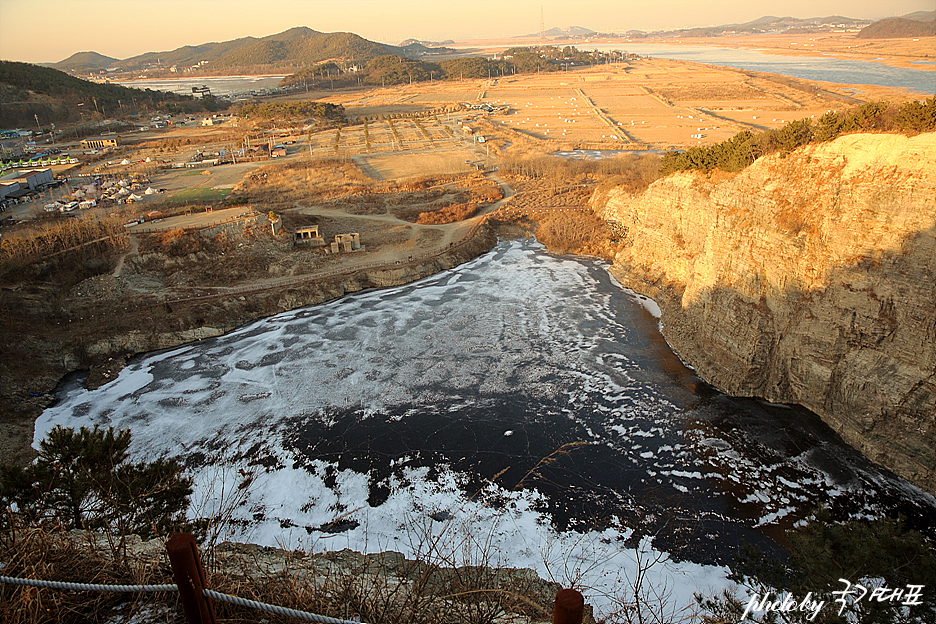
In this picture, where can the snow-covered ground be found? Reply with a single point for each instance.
(518, 410)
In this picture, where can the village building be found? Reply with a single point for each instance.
(11, 189)
(31, 179)
(100, 142)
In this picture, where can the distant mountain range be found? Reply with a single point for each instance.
(302, 47)
(921, 16)
(571, 32)
(766, 24)
(428, 44)
(918, 24)
(296, 47)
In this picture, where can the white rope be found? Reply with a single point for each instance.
(274, 609)
(321, 619)
(88, 586)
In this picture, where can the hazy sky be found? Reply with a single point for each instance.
(51, 30)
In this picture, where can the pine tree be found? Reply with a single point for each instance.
(83, 480)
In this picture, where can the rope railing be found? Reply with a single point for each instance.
(302, 615)
(87, 586)
(190, 580)
(197, 599)
(243, 602)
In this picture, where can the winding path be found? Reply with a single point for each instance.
(454, 234)
(133, 251)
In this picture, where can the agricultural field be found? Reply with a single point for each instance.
(441, 127)
(652, 104)
(430, 162)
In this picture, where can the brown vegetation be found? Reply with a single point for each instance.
(281, 185)
(284, 184)
(577, 233)
(379, 588)
(60, 236)
(62, 252)
(633, 171)
(449, 214)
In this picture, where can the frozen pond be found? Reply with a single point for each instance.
(522, 399)
(219, 85)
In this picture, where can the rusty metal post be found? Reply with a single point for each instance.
(190, 578)
(570, 607)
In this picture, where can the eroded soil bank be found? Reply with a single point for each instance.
(105, 320)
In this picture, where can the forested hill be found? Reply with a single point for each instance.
(84, 61)
(27, 90)
(296, 47)
(898, 27)
(307, 47)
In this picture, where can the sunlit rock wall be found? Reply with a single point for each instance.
(808, 278)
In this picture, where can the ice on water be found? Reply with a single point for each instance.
(516, 320)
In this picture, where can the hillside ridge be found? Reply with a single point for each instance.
(296, 46)
(898, 28)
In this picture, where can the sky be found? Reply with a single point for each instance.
(38, 31)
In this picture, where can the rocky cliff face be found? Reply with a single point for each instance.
(808, 278)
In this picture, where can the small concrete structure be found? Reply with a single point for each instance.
(308, 236)
(347, 243)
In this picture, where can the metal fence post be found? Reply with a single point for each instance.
(190, 578)
(570, 607)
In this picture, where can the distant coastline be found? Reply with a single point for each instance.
(220, 85)
(900, 53)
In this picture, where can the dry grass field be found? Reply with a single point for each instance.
(427, 163)
(418, 130)
(654, 104)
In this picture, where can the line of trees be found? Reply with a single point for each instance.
(741, 150)
(320, 111)
(60, 236)
(391, 69)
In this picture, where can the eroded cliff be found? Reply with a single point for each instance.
(807, 278)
